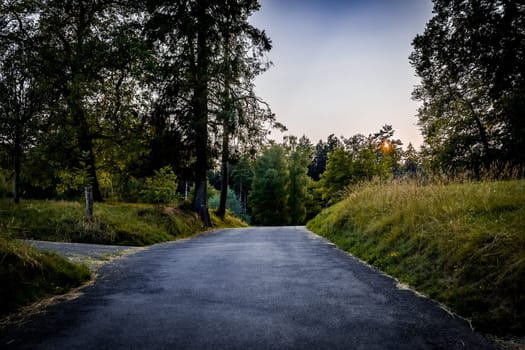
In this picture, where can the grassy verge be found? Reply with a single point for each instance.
(27, 275)
(461, 244)
(113, 223)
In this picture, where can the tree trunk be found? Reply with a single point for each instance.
(85, 142)
(17, 164)
(224, 169)
(226, 115)
(200, 117)
(200, 202)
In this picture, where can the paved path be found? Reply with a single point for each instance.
(261, 288)
(91, 255)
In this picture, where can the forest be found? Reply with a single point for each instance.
(154, 102)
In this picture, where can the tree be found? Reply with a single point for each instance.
(241, 60)
(269, 196)
(202, 46)
(88, 50)
(21, 87)
(359, 159)
(337, 176)
(318, 164)
(242, 178)
(472, 68)
(299, 155)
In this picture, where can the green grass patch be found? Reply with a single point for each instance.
(27, 274)
(461, 244)
(113, 223)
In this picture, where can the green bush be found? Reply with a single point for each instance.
(161, 187)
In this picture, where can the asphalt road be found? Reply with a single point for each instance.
(256, 288)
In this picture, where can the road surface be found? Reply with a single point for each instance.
(254, 288)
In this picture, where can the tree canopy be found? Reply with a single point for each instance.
(471, 62)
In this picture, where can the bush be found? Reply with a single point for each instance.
(161, 188)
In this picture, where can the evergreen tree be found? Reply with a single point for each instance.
(299, 156)
(269, 197)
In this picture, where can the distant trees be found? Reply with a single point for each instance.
(280, 187)
(359, 159)
(269, 196)
(471, 62)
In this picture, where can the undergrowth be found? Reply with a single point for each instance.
(461, 244)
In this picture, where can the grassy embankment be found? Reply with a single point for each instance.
(27, 275)
(460, 244)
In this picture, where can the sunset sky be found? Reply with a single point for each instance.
(342, 67)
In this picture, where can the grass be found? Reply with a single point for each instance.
(462, 244)
(27, 275)
(113, 223)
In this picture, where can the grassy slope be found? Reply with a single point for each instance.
(27, 275)
(461, 244)
(113, 223)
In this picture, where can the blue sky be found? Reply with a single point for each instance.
(342, 67)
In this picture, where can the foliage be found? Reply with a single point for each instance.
(269, 196)
(321, 151)
(462, 244)
(160, 188)
(360, 159)
(472, 67)
(232, 204)
(27, 275)
(209, 58)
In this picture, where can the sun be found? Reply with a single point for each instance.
(386, 146)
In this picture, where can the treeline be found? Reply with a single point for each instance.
(149, 100)
(291, 182)
(104, 93)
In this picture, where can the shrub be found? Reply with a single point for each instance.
(161, 187)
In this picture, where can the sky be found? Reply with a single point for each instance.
(341, 67)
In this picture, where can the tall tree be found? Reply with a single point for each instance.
(183, 33)
(87, 47)
(241, 59)
(21, 87)
(318, 165)
(269, 196)
(203, 47)
(472, 67)
(299, 155)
